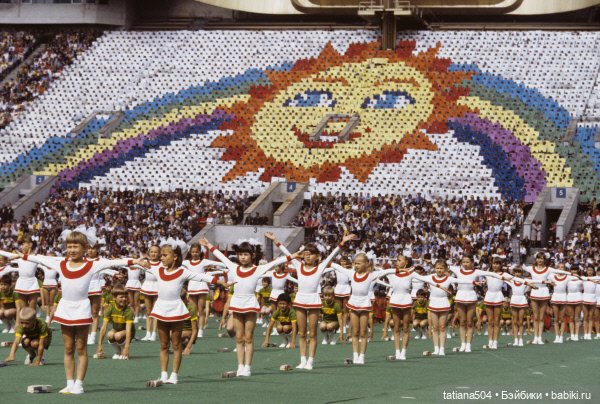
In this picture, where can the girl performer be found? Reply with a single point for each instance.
(494, 298)
(197, 291)
(307, 302)
(27, 288)
(518, 304)
(95, 289)
(244, 304)
(73, 311)
(589, 302)
(466, 300)
(361, 279)
(439, 306)
(278, 278)
(539, 297)
(150, 291)
(169, 310)
(558, 301)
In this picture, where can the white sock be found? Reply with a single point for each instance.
(310, 361)
(78, 383)
(355, 356)
(303, 359)
(397, 352)
(173, 376)
(70, 383)
(164, 376)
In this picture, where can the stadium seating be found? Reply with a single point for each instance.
(190, 98)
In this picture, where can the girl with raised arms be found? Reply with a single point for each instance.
(244, 304)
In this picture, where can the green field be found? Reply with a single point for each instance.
(548, 368)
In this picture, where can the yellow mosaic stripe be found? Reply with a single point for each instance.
(558, 173)
(140, 126)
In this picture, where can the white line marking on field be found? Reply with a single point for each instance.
(537, 373)
(563, 366)
(462, 387)
(410, 398)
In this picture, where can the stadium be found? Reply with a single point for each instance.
(371, 201)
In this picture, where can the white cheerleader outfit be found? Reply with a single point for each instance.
(537, 277)
(168, 306)
(150, 285)
(74, 307)
(493, 295)
(402, 286)
(342, 286)
(416, 286)
(574, 290)
(27, 283)
(438, 298)
(589, 292)
(360, 299)
(133, 279)
(50, 278)
(244, 299)
(278, 282)
(198, 267)
(96, 284)
(309, 280)
(559, 295)
(466, 291)
(518, 299)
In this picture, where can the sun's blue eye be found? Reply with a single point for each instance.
(311, 98)
(388, 100)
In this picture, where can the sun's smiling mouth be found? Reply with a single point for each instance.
(326, 140)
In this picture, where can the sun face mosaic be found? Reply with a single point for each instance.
(397, 100)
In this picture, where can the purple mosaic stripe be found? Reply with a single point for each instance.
(519, 154)
(125, 145)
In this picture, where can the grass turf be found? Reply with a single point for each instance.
(420, 379)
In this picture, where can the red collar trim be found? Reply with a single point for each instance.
(558, 278)
(194, 263)
(77, 273)
(162, 273)
(516, 283)
(539, 272)
(442, 280)
(402, 274)
(245, 274)
(358, 279)
(154, 264)
(465, 272)
(92, 259)
(276, 275)
(308, 273)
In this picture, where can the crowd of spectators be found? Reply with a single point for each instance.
(34, 78)
(14, 46)
(581, 247)
(414, 226)
(126, 221)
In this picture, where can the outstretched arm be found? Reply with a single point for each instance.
(9, 255)
(230, 265)
(50, 262)
(432, 283)
(336, 250)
